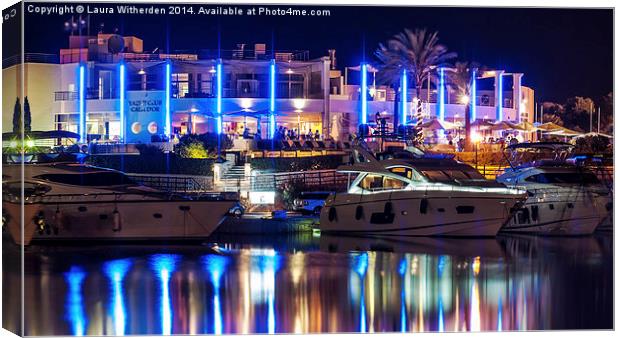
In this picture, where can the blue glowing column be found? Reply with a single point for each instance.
(116, 271)
(499, 95)
(441, 92)
(164, 265)
(403, 96)
(121, 80)
(167, 129)
(472, 99)
(74, 305)
(272, 98)
(364, 94)
(216, 266)
(82, 103)
(219, 96)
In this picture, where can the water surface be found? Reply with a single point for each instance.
(309, 284)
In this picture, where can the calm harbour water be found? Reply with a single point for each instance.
(310, 284)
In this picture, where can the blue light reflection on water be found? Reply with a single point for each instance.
(115, 271)
(269, 265)
(164, 265)
(402, 270)
(74, 303)
(499, 315)
(360, 265)
(216, 266)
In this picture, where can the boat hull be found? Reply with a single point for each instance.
(109, 220)
(568, 211)
(415, 213)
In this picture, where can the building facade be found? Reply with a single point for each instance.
(107, 87)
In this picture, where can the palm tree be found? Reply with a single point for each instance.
(460, 79)
(417, 53)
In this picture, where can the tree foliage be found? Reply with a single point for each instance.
(27, 116)
(17, 116)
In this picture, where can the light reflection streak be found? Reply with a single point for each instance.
(216, 265)
(75, 308)
(164, 265)
(402, 270)
(360, 265)
(263, 281)
(474, 322)
(499, 315)
(116, 270)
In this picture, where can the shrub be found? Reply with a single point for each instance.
(191, 149)
(148, 149)
(202, 146)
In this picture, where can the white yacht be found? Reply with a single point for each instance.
(425, 196)
(563, 198)
(69, 201)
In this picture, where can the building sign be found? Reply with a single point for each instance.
(145, 115)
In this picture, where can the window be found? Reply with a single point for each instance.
(403, 171)
(451, 175)
(91, 179)
(180, 84)
(559, 178)
(378, 182)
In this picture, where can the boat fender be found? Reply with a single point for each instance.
(359, 212)
(423, 206)
(388, 208)
(116, 219)
(332, 216)
(58, 220)
(39, 220)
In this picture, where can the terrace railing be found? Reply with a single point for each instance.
(175, 183)
(322, 179)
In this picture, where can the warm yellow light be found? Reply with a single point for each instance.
(13, 144)
(476, 266)
(246, 103)
(141, 72)
(30, 143)
(289, 71)
(464, 99)
(475, 137)
(299, 104)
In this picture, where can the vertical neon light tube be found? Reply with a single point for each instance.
(472, 99)
(364, 93)
(121, 75)
(403, 97)
(219, 96)
(81, 108)
(500, 98)
(74, 305)
(518, 100)
(272, 98)
(167, 129)
(441, 99)
(402, 269)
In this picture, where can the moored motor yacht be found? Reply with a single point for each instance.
(423, 196)
(71, 201)
(563, 198)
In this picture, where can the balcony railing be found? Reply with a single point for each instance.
(30, 58)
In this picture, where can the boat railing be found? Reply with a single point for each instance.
(328, 179)
(174, 183)
(118, 197)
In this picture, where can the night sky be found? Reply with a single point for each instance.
(563, 52)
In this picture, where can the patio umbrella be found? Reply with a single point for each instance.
(502, 125)
(591, 134)
(564, 132)
(432, 124)
(549, 126)
(481, 124)
(524, 126)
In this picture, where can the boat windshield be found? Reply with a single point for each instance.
(564, 178)
(89, 179)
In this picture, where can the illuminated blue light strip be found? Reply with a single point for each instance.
(272, 98)
(440, 320)
(74, 304)
(116, 271)
(364, 94)
(164, 266)
(121, 75)
(441, 99)
(500, 98)
(403, 94)
(167, 129)
(402, 269)
(81, 108)
(219, 96)
(519, 112)
(472, 99)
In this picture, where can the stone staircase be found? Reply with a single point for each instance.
(234, 179)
